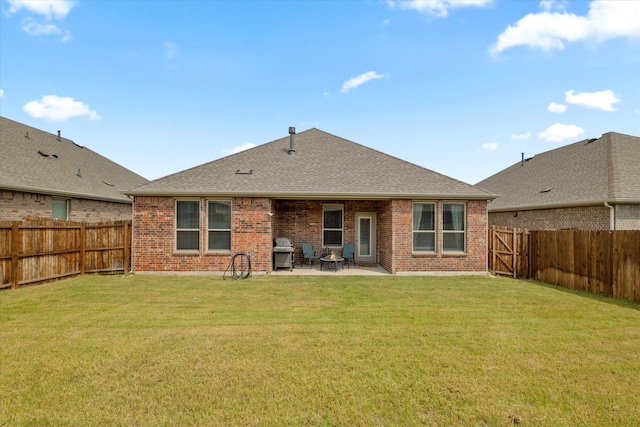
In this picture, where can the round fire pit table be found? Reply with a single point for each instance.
(332, 262)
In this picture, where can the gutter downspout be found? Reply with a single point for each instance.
(612, 216)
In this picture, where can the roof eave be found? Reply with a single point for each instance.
(315, 195)
(564, 205)
(48, 192)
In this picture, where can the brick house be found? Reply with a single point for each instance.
(315, 188)
(592, 184)
(47, 176)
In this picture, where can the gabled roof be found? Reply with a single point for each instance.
(39, 162)
(323, 166)
(588, 172)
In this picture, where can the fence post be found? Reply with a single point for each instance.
(83, 246)
(127, 252)
(15, 250)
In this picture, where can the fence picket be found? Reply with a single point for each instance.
(599, 262)
(43, 250)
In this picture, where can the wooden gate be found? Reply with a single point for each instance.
(509, 251)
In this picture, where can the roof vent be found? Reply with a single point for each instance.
(43, 154)
(27, 135)
(292, 131)
(58, 135)
(78, 174)
(107, 183)
(244, 172)
(546, 190)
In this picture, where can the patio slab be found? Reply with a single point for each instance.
(314, 270)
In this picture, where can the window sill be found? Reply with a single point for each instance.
(424, 254)
(219, 252)
(454, 254)
(186, 252)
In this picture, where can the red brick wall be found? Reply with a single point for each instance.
(473, 260)
(301, 221)
(154, 236)
(253, 230)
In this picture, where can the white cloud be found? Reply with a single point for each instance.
(242, 147)
(438, 8)
(490, 146)
(557, 108)
(36, 29)
(549, 5)
(361, 79)
(602, 100)
(51, 9)
(560, 132)
(59, 108)
(547, 30)
(521, 136)
(1, 93)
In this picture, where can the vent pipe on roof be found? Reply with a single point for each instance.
(58, 135)
(292, 131)
(522, 164)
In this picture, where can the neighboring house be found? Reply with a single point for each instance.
(315, 188)
(45, 175)
(588, 185)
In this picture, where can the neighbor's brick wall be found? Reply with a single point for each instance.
(18, 206)
(627, 217)
(473, 260)
(579, 218)
(154, 236)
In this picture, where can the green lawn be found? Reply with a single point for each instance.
(316, 350)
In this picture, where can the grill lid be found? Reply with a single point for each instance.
(283, 242)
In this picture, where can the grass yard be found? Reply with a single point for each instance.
(316, 350)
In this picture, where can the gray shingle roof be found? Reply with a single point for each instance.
(587, 172)
(38, 162)
(323, 166)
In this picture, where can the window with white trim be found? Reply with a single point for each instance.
(424, 227)
(187, 225)
(453, 227)
(60, 209)
(219, 225)
(332, 220)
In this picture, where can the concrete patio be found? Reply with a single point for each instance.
(314, 270)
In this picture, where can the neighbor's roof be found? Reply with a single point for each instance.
(588, 172)
(323, 166)
(38, 162)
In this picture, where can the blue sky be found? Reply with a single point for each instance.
(459, 87)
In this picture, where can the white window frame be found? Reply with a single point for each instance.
(463, 232)
(333, 207)
(66, 207)
(178, 230)
(432, 232)
(209, 201)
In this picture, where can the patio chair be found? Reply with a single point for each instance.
(348, 254)
(308, 255)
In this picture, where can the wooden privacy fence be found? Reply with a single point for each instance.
(600, 262)
(38, 251)
(509, 251)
